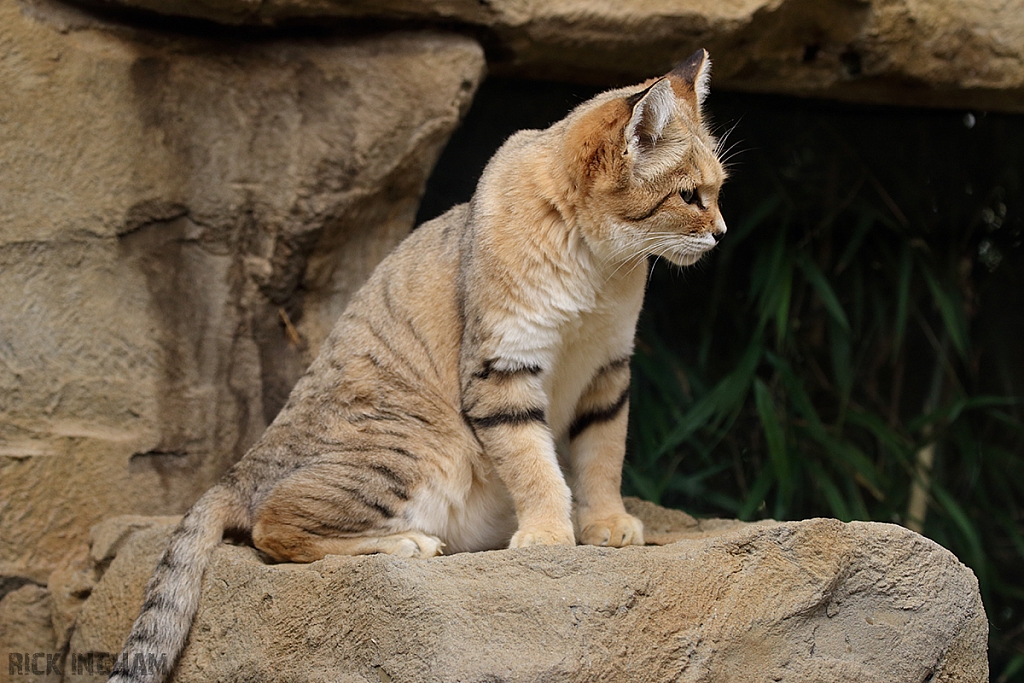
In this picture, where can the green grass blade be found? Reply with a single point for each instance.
(860, 231)
(723, 399)
(753, 219)
(775, 437)
(772, 286)
(896, 443)
(906, 269)
(968, 532)
(795, 390)
(842, 363)
(642, 485)
(951, 411)
(952, 313)
(830, 491)
(783, 296)
(1012, 668)
(847, 457)
(823, 289)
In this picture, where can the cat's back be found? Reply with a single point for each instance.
(394, 349)
(405, 318)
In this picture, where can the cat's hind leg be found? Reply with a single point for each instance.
(323, 510)
(291, 544)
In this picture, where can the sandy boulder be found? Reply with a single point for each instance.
(817, 600)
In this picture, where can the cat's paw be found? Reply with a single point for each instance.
(413, 544)
(616, 530)
(538, 536)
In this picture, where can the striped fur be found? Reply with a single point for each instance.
(430, 417)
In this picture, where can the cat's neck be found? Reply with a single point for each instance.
(529, 244)
(530, 202)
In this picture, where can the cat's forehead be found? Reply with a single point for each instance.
(620, 101)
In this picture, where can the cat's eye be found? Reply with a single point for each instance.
(690, 196)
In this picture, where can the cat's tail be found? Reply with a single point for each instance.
(172, 595)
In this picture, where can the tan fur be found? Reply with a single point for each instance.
(430, 418)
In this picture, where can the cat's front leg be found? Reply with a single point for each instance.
(505, 404)
(597, 449)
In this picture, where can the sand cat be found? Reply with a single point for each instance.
(478, 382)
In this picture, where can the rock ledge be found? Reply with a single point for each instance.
(916, 52)
(816, 600)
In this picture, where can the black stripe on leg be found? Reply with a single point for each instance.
(591, 417)
(399, 484)
(487, 370)
(401, 451)
(616, 364)
(384, 510)
(511, 417)
(469, 423)
(319, 527)
(389, 473)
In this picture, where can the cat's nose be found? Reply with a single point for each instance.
(719, 229)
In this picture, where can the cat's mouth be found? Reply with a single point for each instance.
(690, 251)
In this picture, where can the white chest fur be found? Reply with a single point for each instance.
(590, 340)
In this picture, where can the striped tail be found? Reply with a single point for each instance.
(172, 595)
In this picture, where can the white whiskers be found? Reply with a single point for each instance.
(633, 249)
(726, 155)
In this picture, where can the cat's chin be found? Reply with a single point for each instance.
(691, 251)
(683, 259)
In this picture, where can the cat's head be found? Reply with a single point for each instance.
(646, 169)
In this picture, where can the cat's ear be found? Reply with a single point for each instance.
(652, 109)
(692, 78)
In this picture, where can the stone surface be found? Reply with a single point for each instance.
(799, 601)
(69, 587)
(166, 202)
(28, 646)
(928, 52)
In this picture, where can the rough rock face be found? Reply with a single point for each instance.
(26, 629)
(930, 52)
(800, 601)
(181, 221)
